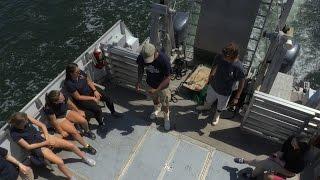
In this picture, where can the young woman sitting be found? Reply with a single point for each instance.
(86, 94)
(62, 119)
(11, 168)
(24, 133)
(286, 163)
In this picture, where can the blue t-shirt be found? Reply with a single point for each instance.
(60, 109)
(30, 134)
(157, 70)
(227, 74)
(8, 171)
(80, 85)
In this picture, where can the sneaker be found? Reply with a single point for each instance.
(216, 118)
(239, 160)
(166, 122)
(116, 115)
(89, 161)
(155, 113)
(90, 135)
(91, 150)
(73, 178)
(248, 175)
(203, 108)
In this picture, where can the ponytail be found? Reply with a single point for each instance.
(70, 69)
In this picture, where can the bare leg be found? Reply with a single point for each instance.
(64, 144)
(67, 126)
(78, 119)
(49, 155)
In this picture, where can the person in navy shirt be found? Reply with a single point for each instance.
(158, 69)
(86, 94)
(10, 167)
(286, 163)
(24, 133)
(226, 71)
(62, 113)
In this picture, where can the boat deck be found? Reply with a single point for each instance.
(133, 147)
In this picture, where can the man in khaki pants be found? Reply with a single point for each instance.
(158, 69)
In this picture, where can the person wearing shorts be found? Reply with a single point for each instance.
(227, 69)
(63, 114)
(41, 145)
(158, 69)
(286, 163)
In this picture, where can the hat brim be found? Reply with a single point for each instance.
(149, 59)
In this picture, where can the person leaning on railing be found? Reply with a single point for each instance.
(11, 168)
(286, 163)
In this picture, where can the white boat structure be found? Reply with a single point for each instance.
(135, 148)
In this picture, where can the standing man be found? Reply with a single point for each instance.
(158, 69)
(226, 71)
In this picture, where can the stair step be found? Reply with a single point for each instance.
(256, 27)
(254, 39)
(265, 3)
(262, 15)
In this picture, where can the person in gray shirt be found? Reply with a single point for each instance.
(227, 69)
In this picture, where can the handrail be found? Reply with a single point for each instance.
(4, 127)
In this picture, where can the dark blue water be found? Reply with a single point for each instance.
(37, 39)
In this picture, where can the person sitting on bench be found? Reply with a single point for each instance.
(62, 119)
(285, 163)
(12, 169)
(86, 94)
(40, 145)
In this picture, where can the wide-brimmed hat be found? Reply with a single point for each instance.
(147, 52)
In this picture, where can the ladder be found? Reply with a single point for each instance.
(256, 33)
(195, 6)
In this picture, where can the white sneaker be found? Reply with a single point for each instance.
(204, 107)
(155, 113)
(89, 161)
(73, 178)
(166, 122)
(216, 118)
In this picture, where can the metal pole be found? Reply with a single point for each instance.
(284, 14)
(276, 58)
(261, 75)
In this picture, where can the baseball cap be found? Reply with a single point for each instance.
(147, 52)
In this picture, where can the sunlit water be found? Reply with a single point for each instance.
(37, 39)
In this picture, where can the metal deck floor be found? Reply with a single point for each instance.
(148, 153)
(132, 147)
(135, 148)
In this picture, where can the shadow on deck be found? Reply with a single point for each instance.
(120, 155)
(226, 136)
